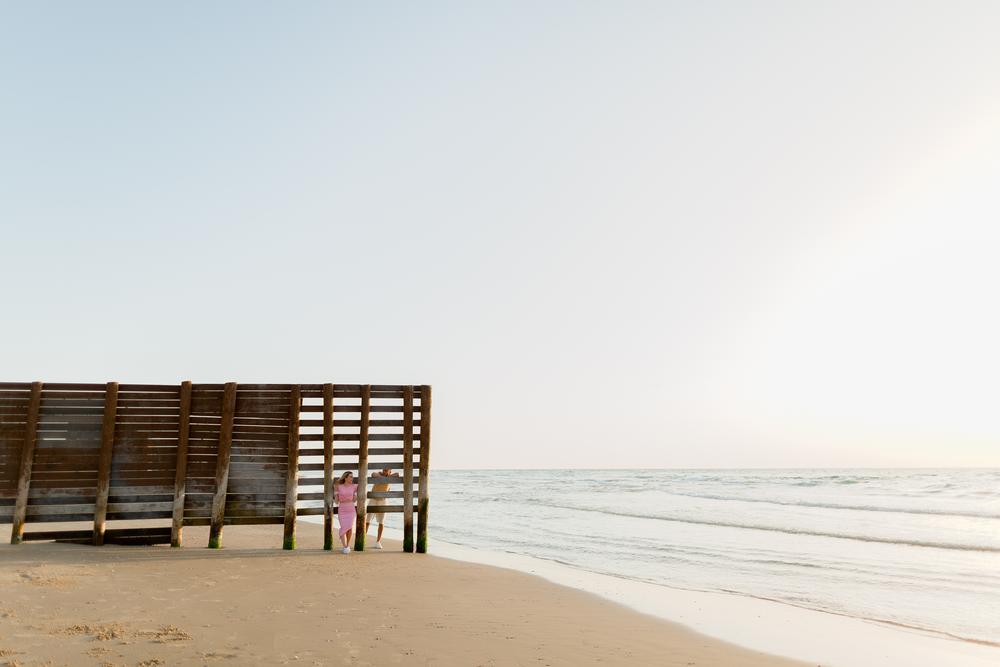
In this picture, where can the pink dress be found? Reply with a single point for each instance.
(346, 511)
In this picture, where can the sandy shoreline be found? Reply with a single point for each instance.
(768, 626)
(245, 604)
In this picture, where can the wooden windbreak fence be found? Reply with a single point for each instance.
(171, 456)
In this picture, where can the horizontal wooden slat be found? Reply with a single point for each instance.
(120, 490)
(174, 395)
(131, 516)
(109, 534)
(136, 403)
(73, 386)
(141, 507)
(354, 437)
(372, 509)
(309, 511)
(318, 481)
(147, 419)
(235, 521)
(389, 509)
(357, 408)
(353, 451)
(241, 387)
(389, 480)
(52, 510)
(61, 484)
(70, 404)
(175, 388)
(64, 518)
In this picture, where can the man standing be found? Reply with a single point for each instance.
(379, 517)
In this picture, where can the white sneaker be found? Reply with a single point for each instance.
(345, 550)
(378, 545)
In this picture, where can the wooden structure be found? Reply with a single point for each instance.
(206, 454)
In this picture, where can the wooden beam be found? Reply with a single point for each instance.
(222, 465)
(104, 461)
(408, 469)
(359, 530)
(292, 473)
(423, 497)
(328, 466)
(180, 479)
(27, 458)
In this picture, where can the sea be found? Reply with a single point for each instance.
(916, 549)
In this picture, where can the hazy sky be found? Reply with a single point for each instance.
(610, 234)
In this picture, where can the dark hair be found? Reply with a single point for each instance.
(344, 476)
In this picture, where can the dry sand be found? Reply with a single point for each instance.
(253, 604)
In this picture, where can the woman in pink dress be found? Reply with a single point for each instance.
(345, 494)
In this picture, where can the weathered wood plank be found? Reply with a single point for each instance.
(318, 481)
(111, 535)
(372, 423)
(27, 458)
(292, 469)
(423, 493)
(74, 386)
(353, 451)
(18, 386)
(180, 474)
(172, 395)
(359, 532)
(164, 402)
(93, 395)
(222, 466)
(36, 493)
(357, 408)
(381, 509)
(389, 494)
(407, 469)
(168, 388)
(328, 507)
(239, 521)
(352, 437)
(104, 463)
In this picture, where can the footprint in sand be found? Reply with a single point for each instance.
(43, 579)
(215, 655)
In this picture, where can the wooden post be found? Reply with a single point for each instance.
(104, 461)
(328, 466)
(180, 478)
(408, 469)
(27, 459)
(359, 531)
(292, 474)
(423, 498)
(222, 465)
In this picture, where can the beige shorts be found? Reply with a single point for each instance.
(377, 517)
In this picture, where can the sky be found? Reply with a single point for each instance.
(610, 234)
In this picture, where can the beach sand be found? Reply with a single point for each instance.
(252, 603)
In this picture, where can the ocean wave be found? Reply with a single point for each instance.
(840, 506)
(955, 546)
